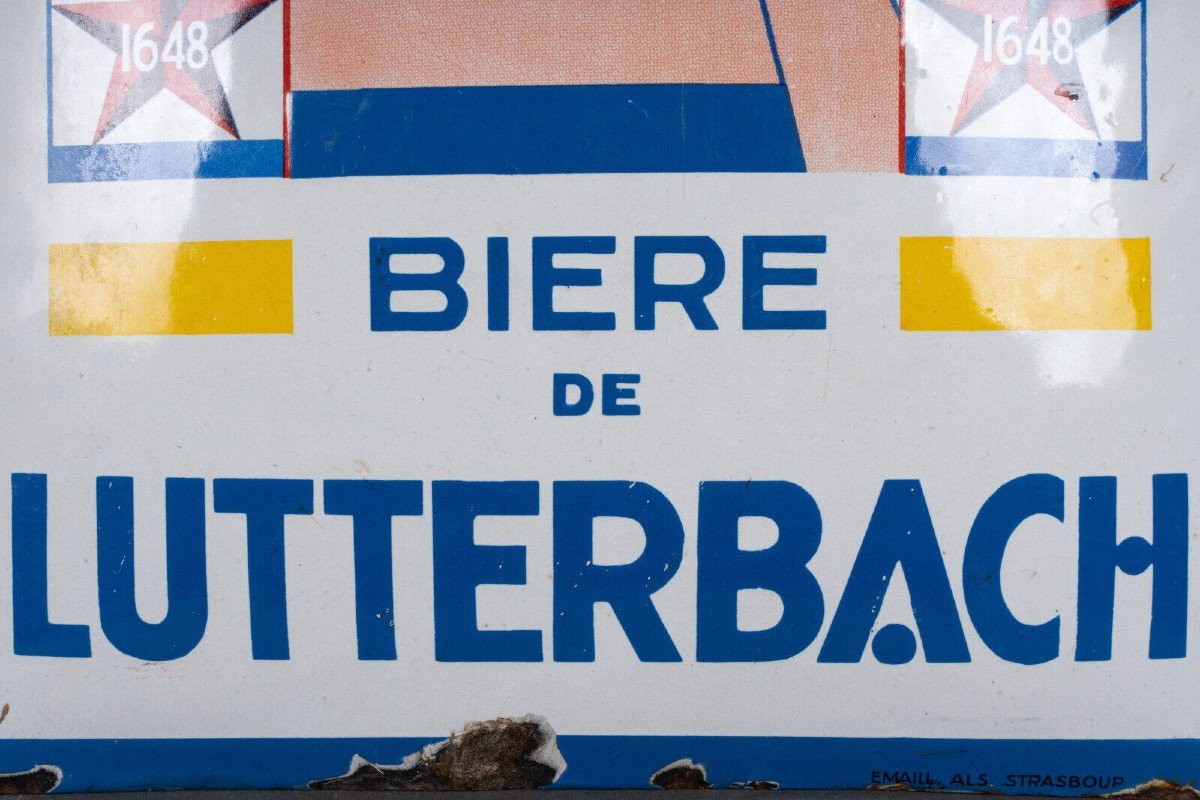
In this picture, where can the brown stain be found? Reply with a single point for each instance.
(1158, 790)
(756, 785)
(682, 774)
(891, 787)
(4, 713)
(485, 756)
(39, 780)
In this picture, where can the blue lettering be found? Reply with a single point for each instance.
(265, 502)
(372, 504)
(460, 565)
(900, 534)
(546, 277)
(33, 632)
(998, 519)
(497, 270)
(563, 405)
(756, 277)
(647, 294)
(187, 584)
(1100, 556)
(385, 282)
(782, 568)
(614, 390)
(579, 584)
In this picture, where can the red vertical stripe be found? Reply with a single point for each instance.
(902, 99)
(287, 88)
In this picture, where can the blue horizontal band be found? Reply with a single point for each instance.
(247, 158)
(629, 761)
(1069, 158)
(545, 129)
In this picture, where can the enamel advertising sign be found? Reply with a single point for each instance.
(403, 394)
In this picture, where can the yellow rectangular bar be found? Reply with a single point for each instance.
(171, 288)
(1014, 284)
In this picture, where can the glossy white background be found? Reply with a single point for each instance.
(837, 411)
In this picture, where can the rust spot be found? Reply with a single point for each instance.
(4, 713)
(1071, 91)
(681, 774)
(39, 780)
(1158, 790)
(758, 785)
(891, 787)
(498, 754)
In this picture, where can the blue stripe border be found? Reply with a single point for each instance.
(978, 155)
(627, 761)
(246, 158)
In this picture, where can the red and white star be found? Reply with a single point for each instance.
(1056, 78)
(163, 45)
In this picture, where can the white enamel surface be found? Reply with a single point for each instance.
(837, 411)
